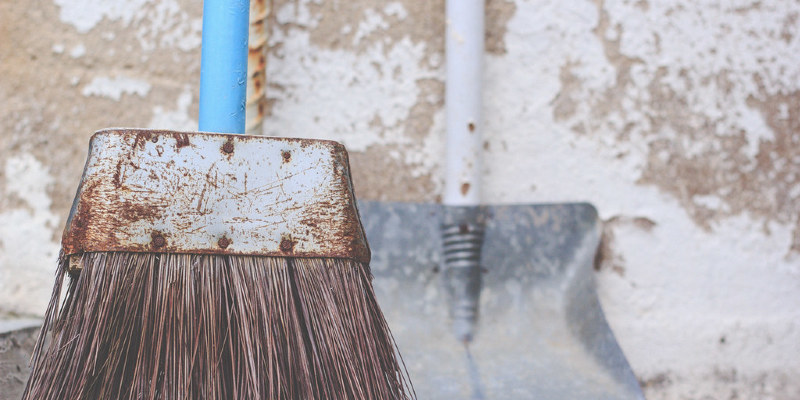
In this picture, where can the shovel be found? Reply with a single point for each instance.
(541, 332)
(491, 301)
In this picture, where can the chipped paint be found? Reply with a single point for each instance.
(177, 119)
(28, 250)
(78, 51)
(365, 99)
(372, 22)
(671, 114)
(695, 105)
(85, 14)
(114, 88)
(161, 23)
(169, 25)
(396, 9)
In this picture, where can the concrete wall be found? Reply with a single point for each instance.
(679, 120)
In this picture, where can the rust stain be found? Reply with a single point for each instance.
(77, 230)
(287, 245)
(286, 155)
(181, 139)
(157, 240)
(117, 179)
(227, 148)
(464, 188)
(261, 109)
(323, 220)
(224, 242)
(202, 196)
(131, 212)
(141, 137)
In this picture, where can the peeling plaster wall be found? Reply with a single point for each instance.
(677, 120)
(68, 68)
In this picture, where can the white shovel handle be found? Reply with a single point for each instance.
(465, 48)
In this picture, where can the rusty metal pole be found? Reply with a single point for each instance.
(256, 66)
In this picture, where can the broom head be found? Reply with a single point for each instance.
(214, 266)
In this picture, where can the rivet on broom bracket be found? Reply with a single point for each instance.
(287, 245)
(158, 240)
(227, 147)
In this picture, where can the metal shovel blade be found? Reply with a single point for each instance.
(541, 332)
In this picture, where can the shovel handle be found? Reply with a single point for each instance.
(464, 51)
(463, 220)
(223, 66)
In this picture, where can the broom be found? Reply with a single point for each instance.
(215, 266)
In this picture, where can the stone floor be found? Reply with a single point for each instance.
(17, 338)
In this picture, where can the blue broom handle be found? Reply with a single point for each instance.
(223, 66)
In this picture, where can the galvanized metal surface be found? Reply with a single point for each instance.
(182, 192)
(541, 334)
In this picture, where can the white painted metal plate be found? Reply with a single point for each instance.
(165, 191)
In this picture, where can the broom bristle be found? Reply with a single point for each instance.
(182, 326)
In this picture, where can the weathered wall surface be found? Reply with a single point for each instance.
(678, 120)
(68, 68)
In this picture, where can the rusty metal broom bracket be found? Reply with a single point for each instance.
(206, 193)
